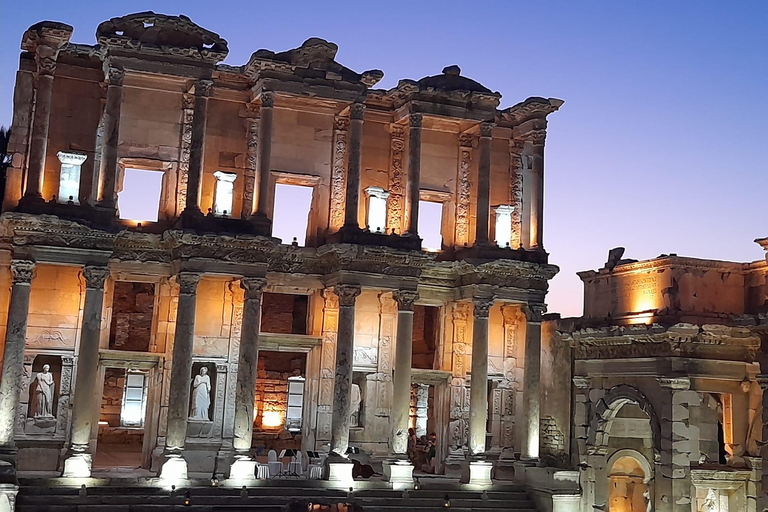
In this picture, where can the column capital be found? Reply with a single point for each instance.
(347, 293)
(486, 129)
(465, 140)
(253, 286)
(516, 147)
(536, 137)
(23, 271)
(405, 299)
(45, 58)
(414, 120)
(396, 135)
(483, 306)
(114, 76)
(188, 282)
(534, 312)
(267, 99)
(203, 88)
(340, 123)
(357, 111)
(95, 276)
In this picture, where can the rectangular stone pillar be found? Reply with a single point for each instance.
(111, 138)
(414, 172)
(537, 190)
(197, 148)
(338, 176)
(175, 467)
(251, 161)
(483, 185)
(478, 391)
(265, 155)
(532, 381)
(85, 408)
(352, 198)
(244, 466)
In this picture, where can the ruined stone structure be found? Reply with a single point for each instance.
(666, 411)
(142, 321)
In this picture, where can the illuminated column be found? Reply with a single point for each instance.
(197, 146)
(478, 392)
(112, 107)
(531, 382)
(352, 199)
(13, 350)
(537, 189)
(175, 467)
(45, 56)
(414, 172)
(244, 467)
(265, 151)
(483, 185)
(84, 408)
(401, 394)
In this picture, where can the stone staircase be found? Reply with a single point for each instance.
(274, 497)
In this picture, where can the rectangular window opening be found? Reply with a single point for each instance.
(430, 224)
(291, 214)
(284, 313)
(295, 404)
(134, 400)
(139, 199)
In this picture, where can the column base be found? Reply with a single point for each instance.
(8, 497)
(244, 468)
(78, 465)
(174, 467)
(8, 466)
(339, 472)
(480, 473)
(399, 473)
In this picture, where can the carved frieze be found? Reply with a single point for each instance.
(23, 271)
(185, 148)
(338, 174)
(395, 201)
(516, 189)
(251, 162)
(463, 190)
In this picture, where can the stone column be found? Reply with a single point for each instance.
(175, 467)
(265, 151)
(483, 185)
(532, 381)
(84, 408)
(197, 149)
(352, 199)
(111, 139)
(46, 67)
(244, 467)
(478, 391)
(13, 354)
(401, 399)
(414, 172)
(537, 189)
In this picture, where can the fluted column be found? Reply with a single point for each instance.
(181, 375)
(537, 190)
(13, 351)
(414, 171)
(352, 198)
(483, 185)
(342, 387)
(84, 408)
(265, 151)
(532, 381)
(38, 146)
(401, 396)
(246, 376)
(111, 139)
(197, 147)
(478, 391)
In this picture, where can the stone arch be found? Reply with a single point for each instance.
(625, 486)
(639, 457)
(607, 408)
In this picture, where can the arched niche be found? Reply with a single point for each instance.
(630, 479)
(610, 405)
(43, 421)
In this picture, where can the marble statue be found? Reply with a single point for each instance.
(710, 502)
(44, 393)
(201, 395)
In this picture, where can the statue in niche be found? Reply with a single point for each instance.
(44, 390)
(354, 406)
(710, 502)
(201, 396)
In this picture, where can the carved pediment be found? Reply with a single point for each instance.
(158, 33)
(531, 108)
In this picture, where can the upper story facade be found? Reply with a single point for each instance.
(152, 95)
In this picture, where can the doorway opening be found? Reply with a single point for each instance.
(628, 486)
(426, 334)
(422, 421)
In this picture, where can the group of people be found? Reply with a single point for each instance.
(421, 450)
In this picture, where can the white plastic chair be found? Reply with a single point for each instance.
(315, 468)
(275, 466)
(296, 465)
(262, 471)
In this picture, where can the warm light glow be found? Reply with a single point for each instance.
(503, 229)
(272, 419)
(225, 192)
(377, 209)
(69, 177)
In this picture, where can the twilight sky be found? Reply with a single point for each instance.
(661, 146)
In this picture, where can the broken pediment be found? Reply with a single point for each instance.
(46, 32)
(159, 33)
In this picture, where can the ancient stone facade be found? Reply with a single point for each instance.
(167, 311)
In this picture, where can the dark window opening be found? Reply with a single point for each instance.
(133, 306)
(426, 332)
(284, 314)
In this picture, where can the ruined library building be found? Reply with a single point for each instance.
(162, 346)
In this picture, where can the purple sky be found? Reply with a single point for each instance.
(661, 146)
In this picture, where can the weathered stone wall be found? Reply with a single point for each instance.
(112, 396)
(555, 430)
(55, 305)
(132, 316)
(213, 316)
(5, 297)
(426, 325)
